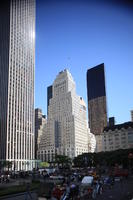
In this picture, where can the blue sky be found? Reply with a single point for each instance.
(78, 35)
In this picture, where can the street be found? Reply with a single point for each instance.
(120, 191)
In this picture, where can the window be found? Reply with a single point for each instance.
(130, 137)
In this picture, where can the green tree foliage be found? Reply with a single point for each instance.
(109, 158)
(62, 160)
(5, 164)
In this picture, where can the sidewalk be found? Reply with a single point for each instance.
(20, 196)
(14, 182)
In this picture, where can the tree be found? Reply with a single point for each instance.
(9, 164)
(6, 164)
(62, 160)
(109, 159)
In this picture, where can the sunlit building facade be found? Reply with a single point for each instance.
(66, 131)
(115, 137)
(40, 121)
(17, 60)
(91, 142)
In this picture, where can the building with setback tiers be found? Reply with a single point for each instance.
(17, 60)
(66, 131)
(97, 112)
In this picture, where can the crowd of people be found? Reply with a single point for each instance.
(73, 188)
(7, 176)
(70, 185)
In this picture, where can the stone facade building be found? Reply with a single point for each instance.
(115, 137)
(66, 131)
(40, 121)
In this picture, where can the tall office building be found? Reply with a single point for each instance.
(66, 131)
(49, 96)
(40, 121)
(132, 115)
(17, 54)
(97, 112)
(111, 121)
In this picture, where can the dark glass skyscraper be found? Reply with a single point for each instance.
(17, 55)
(96, 93)
(49, 95)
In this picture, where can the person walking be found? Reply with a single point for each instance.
(28, 192)
(94, 191)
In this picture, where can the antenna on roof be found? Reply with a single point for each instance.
(69, 63)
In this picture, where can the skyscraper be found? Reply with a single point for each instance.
(66, 131)
(132, 115)
(49, 96)
(17, 54)
(40, 121)
(96, 93)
